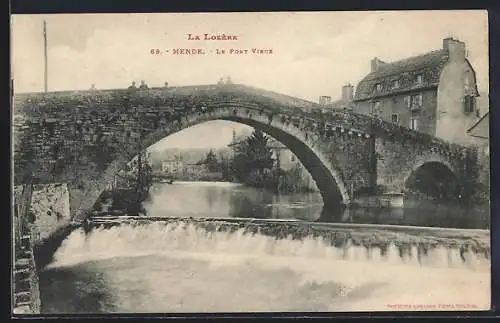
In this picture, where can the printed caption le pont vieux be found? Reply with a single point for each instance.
(229, 46)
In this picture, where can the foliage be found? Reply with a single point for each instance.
(293, 181)
(253, 165)
(253, 154)
(211, 161)
(138, 176)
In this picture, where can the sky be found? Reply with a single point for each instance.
(314, 53)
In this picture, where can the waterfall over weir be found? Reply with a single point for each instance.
(233, 265)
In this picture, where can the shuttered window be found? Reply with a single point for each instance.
(468, 104)
(414, 123)
(417, 101)
(408, 101)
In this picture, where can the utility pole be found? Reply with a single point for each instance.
(45, 54)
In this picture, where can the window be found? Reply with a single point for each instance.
(292, 158)
(416, 101)
(378, 87)
(413, 123)
(395, 118)
(419, 79)
(467, 83)
(408, 101)
(376, 108)
(468, 104)
(395, 84)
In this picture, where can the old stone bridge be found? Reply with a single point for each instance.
(83, 138)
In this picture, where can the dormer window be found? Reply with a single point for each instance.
(395, 84)
(419, 79)
(378, 87)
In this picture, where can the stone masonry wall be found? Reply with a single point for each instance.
(25, 283)
(50, 206)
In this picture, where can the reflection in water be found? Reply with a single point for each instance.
(195, 199)
(160, 268)
(61, 287)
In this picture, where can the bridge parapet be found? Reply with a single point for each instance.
(385, 129)
(61, 102)
(61, 106)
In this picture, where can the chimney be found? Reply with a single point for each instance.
(455, 48)
(325, 99)
(347, 92)
(375, 64)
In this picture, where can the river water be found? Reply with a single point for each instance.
(162, 268)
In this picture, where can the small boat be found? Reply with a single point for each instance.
(167, 181)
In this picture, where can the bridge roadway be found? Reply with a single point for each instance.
(84, 138)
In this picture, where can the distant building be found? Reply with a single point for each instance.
(179, 169)
(433, 93)
(325, 100)
(481, 132)
(171, 167)
(345, 102)
(481, 129)
(285, 159)
(193, 170)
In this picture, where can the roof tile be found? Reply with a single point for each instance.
(428, 64)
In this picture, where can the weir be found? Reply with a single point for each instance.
(408, 242)
(179, 264)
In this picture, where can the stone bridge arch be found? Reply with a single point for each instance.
(435, 177)
(65, 146)
(326, 175)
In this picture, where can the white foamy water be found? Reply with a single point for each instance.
(180, 268)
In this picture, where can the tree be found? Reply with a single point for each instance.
(253, 154)
(259, 153)
(211, 161)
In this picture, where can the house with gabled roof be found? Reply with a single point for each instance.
(434, 93)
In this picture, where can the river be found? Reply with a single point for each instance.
(163, 268)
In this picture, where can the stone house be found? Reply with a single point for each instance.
(172, 167)
(286, 160)
(434, 93)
